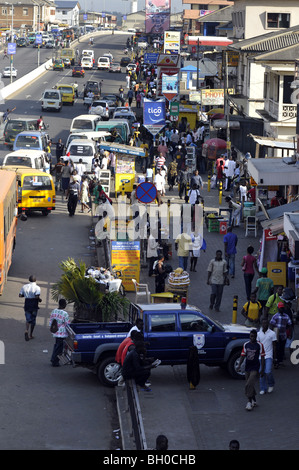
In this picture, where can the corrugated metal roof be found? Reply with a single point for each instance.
(270, 41)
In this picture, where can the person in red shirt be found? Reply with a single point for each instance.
(251, 194)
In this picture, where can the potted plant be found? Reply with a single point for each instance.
(90, 302)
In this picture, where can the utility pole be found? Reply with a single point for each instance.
(226, 105)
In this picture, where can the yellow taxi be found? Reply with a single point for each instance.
(67, 92)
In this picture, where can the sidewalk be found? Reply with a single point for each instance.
(210, 416)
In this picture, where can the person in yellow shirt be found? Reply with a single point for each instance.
(144, 160)
(252, 311)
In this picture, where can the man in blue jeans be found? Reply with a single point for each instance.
(268, 338)
(230, 240)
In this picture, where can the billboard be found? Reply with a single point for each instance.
(172, 42)
(170, 85)
(154, 112)
(157, 16)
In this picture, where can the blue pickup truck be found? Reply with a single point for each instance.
(169, 331)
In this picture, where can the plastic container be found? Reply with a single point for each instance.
(223, 226)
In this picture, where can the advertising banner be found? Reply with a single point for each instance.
(125, 255)
(154, 112)
(172, 40)
(157, 16)
(170, 85)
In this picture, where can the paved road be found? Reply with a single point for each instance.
(42, 407)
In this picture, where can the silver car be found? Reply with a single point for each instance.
(101, 108)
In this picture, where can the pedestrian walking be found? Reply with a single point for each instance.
(31, 293)
(235, 211)
(130, 96)
(85, 195)
(217, 279)
(65, 176)
(269, 340)
(264, 287)
(282, 322)
(183, 246)
(249, 265)
(61, 317)
(151, 253)
(198, 244)
(271, 306)
(72, 197)
(160, 274)
(252, 311)
(254, 353)
(230, 241)
(59, 150)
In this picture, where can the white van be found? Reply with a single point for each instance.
(26, 158)
(87, 62)
(52, 99)
(82, 148)
(88, 53)
(85, 123)
(103, 63)
(95, 136)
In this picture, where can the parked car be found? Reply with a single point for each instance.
(169, 331)
(58, 64)
(78, 71)
(7, 72)
(115, 67)
(124, 61)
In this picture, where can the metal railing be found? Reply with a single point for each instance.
(136, 417)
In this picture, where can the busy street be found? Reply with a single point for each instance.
(106, 172)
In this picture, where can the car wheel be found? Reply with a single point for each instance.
(233, 363)
(109, 371)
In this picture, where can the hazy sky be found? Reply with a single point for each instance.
(123, 6)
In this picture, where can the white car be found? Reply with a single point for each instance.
(131, 67)
(109, 55)
(103, 63)
(101, 108)
(7, 73)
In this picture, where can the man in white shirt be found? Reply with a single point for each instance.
(268, 338)
(149, 174)
(159, 182)
(62, 318)
(80, 167)
(31, 292)
(229, 167)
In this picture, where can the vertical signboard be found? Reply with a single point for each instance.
(157, 16)
(125, 255)
(172, 42)
(154, 112)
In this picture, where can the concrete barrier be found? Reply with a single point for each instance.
(17, 85)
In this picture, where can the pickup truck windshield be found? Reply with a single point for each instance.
(28, 141)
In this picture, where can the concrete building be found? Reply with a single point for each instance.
(266, 15)
(27, 15)
(67, 12)
(194, 16)
(136, 20)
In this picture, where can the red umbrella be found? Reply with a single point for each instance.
(218, 143)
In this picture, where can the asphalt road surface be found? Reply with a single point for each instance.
(44, 407)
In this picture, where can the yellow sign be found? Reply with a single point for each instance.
(125, 255)
(212, 97)
(277, 272)
(124, 173)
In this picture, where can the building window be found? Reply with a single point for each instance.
(278, 20)
(4, 11)
(25, 11)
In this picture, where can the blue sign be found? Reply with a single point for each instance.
(154, 112)
(151, 57)
(146, 192)
(11, 48)
(84, 17)
(38, 39)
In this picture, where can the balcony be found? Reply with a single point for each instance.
(281, 111)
